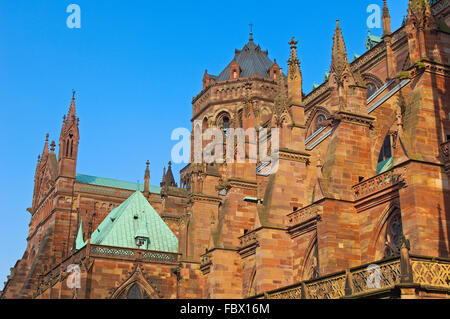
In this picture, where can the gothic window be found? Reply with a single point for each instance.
(223, 122)
(311, 268)
(371, 89)
(226, 123)
(321, 118)
(386, 149)
(135, 293)
(67, 147)
(394, 231)
(318, 122)
(386, 155)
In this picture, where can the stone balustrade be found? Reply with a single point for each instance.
(370, 279)
(379, 183)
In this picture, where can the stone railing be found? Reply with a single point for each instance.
(370, 279)
(302, 215)
(128, 253)
(379, 183)
(389, 275)
(431, 271)
(248, 239)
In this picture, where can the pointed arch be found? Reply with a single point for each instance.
(136, 285)
(310, 267)
(386, 233)
(312, 121)
(251, 289)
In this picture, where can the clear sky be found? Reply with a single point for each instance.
(136, 66)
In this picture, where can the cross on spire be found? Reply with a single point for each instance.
(251, 31)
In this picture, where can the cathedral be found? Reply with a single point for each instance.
(359, 206)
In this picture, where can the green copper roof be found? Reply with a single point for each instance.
(372, 41)
(135, 217)
(113, 183)
(80, 243)
(385, 165)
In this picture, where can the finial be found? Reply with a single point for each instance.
(293, 44)
(73, 94)
(46, 137)
(39, 158)
(52, 146)
(251, 31)
(64, 119)
(170, 164)
(337, 23)
(148, 163)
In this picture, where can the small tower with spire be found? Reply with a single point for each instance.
(342, 78)
(168, 179)
(68, 143)
(294, 79)
(391, 65)
(386, 20)
(147, 179)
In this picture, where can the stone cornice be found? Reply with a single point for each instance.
(242, 183)
(291, 155)
(204, 198)
(349, 117)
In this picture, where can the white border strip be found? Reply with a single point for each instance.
(320, 130)
(320, 140)
(379, 91)
(388, 95)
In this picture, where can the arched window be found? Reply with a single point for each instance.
(394, 230)
(225, 123)
(319, 122)
(371, 89)
(386, 157)
(135, 293)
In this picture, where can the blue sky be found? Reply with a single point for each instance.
(135, 66)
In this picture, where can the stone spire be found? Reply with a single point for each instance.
(72, 111)
(45, 151)
(68, 143)
(52, 147)
(339, 59)
(386, 20)
(147, 179)
(168, 178)
(391, 65)
(294, 79)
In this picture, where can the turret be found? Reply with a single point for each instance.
(68, 143)
(147, 180)
(294, 79)
(386, 20)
